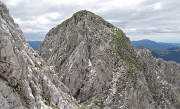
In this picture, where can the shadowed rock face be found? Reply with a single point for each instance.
(25, 79)
(97, 62)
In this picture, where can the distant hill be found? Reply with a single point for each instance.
(174, 49)
(166, 51)
(142, 47)
(34, 44)
(154, 45)
(167, 55)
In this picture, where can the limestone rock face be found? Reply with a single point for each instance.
(99, 65)
(162, 78)
(26, 81)
(83, 63)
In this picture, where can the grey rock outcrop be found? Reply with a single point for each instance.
(26, 81)
(162, 78)
(99, 65)
(85, 62)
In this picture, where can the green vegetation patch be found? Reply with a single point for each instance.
(177, 94)
(35, 55)
(56, 49)
(82, 107)
(36, 65)
(121, 45)
(91, 103)
(46, 102)
(80, 12)
(118, 33)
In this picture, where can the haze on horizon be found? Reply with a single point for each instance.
(139, 19)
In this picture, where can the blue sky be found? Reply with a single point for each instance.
(158, 20)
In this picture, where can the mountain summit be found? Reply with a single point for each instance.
(99, 65)
(85, 49)
(83, 63)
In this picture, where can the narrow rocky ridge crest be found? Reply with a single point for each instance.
(99, 65)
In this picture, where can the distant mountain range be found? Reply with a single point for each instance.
(166, 51)
(154, 45)
(167, 55)
(34, 44)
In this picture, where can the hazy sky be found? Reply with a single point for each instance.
(158, 20)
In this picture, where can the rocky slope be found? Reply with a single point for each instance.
(97, 62)
(83, 63)
(162, 78)
(26, 81)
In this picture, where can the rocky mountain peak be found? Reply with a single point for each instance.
(99, 65)
(83, 14)
(84, 62)
(86, 16)
(83, 23)
(80, 49)
(3, 8)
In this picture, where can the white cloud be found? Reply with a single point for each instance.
(136, 17)
(13, 2)
(159, 37)
(157, 6)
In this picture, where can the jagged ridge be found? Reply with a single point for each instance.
(101, 67)
(26, 80)
(88, 59)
